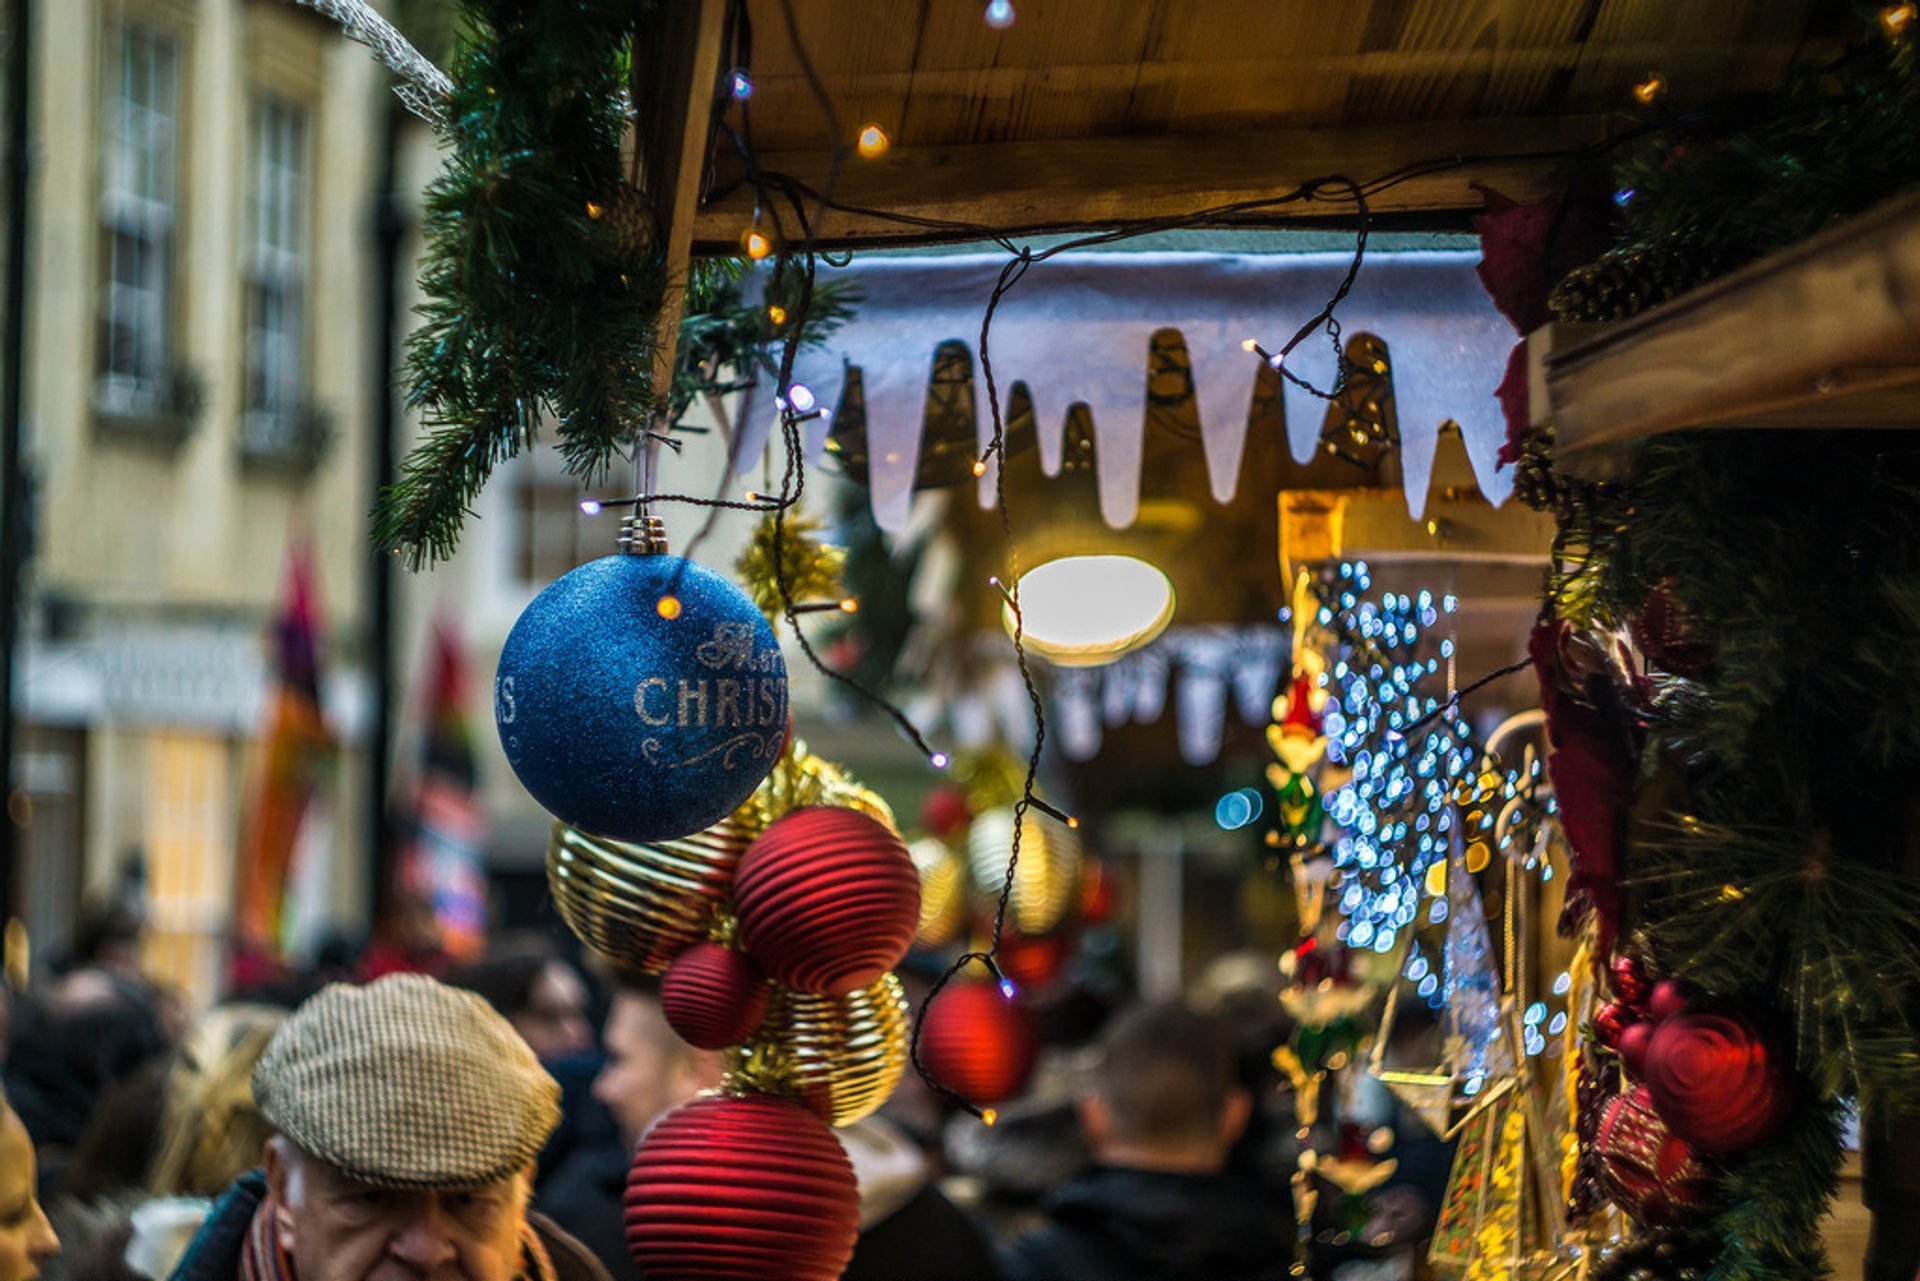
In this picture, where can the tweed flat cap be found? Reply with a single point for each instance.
(407, 1083)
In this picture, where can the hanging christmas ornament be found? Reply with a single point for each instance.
(1669, 638)
(641, 697)
(1032, 963)
(1047, 877)
(1629, 979)
(1634, 1042)
(943, 892)
(714, 996)
(738, 1187)
(1668, 998)
(827, 900)
(945, 812)
(976, 1041)
(1647, 1169)
(1716, 1081)
(839, 1056)
(1610, 1021)
(638, 906)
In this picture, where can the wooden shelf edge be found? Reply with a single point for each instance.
(1825, 333)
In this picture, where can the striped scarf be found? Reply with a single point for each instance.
(265, 1258)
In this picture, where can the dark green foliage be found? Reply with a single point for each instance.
(1704, 199)
(537, 304)
(726, 330)
(1772, 861)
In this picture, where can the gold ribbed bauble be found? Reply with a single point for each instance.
(840, 1056)
(637, 906)
(1048, 877)
(800, 779)
(943, 892)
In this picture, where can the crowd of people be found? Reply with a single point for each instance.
(479, 1125)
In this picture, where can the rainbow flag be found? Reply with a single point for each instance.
(444, 829)
(285, 835)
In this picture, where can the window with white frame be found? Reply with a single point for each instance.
(276, 278)
(138, 209)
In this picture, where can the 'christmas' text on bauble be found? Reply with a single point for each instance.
(714, 996)
(1647, 1170)
(976, 1041)
(1717, 1081)
(827, 900)
(641, 697)
(733, 1187)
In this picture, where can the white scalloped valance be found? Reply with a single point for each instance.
(1078, 329)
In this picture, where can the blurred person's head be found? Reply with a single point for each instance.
(117, 1147)
(26, 1238)
(211, 1131)
(540, 994)
(92, 1031)
(1164, 1093)
(108, 937)
(649, 1068)
(407, 1115)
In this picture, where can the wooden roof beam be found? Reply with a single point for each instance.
(1025, 187)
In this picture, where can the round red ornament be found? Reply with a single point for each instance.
(976, 1042)
(714, 996)
(1668, 998)
(945, 811)
(1096, 892)
(827, 900)
(1032, 962)
(732, 1187)
(1629, 980)
(1647, 1170)
(1716, 1081)
(1634, 1041)
(1609, 1021)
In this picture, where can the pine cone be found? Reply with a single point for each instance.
(627, 220)
(1625, 281)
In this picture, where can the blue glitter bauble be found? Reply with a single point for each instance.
(633, 725)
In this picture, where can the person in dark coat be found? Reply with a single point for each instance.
(407, 1115)
(1161, 1113)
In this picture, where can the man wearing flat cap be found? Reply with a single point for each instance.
(407, 1115)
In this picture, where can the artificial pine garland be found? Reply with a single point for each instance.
(543, 284)
(538, 302)
(1702, 199)
(1773, 582)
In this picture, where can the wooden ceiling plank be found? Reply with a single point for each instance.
(1098, 182)
(671, 133)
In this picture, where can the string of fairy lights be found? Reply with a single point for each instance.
(1393, 812)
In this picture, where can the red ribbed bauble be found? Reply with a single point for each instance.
(714, 996)
(733, 1187)
(1717, 1081)
(976, 1041)
(827, 900)
(1648, 1170)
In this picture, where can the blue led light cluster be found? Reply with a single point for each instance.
(1393, 814)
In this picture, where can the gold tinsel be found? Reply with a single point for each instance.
(943, 892)
(637, 906)
(839, 1056)
(813, 567)
(800, 779)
